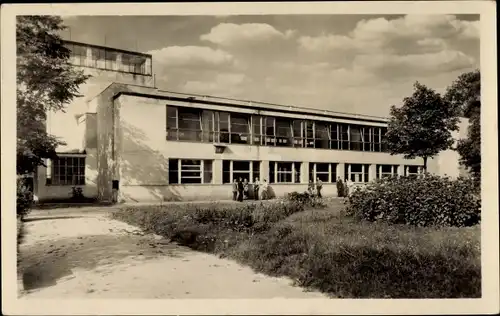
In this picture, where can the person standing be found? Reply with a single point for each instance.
(240, 190)
(235, 190)
(350, 187)
(264, 190)
(319, 186)
(310, 187)
(340, 187)
(245, 189)
(346, 188)
(256, 189)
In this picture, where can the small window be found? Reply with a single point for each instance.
(190, 171)
(173, 171)
(357, 172)
(67, 171)
(284, 172)
(326, 172)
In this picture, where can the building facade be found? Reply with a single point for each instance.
(130, 141)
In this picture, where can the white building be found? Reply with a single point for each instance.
(128, 136)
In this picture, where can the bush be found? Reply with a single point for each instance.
(306, 199)
(24, 199)
(428, 201)
(205, 227)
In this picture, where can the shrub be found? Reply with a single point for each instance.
(77, 193)
(306, 199)
(428, 201)
(24, 199)
(190, 224)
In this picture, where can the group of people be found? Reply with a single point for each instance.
(343, 188)
(241, 189)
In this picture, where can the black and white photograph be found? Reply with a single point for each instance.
(272, 152)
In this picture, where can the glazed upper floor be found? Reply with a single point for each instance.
(111, 59)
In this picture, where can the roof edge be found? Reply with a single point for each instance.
(193, 98)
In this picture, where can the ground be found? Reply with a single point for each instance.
(82, 253)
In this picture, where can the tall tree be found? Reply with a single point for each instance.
(422, 126)
(465, 93)
(45, 82)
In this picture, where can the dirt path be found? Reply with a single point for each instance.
(86, 254)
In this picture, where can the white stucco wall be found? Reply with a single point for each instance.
(143, 153)
(447, 163)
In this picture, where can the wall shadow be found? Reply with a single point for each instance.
(144, 171)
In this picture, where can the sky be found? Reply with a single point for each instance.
(347, 63)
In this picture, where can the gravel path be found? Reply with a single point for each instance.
(87, 255)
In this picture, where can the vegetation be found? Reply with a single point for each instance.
(465, 93)
(45, 81)
(427, 201)
(422, 126)
(24, 199)
(324, 249)
(306, 199)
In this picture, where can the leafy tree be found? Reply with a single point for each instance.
(422, 126)
(465, 93)
(45, 81)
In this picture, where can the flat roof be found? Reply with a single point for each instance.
(150, 92)
(275, 106)
(109, 48)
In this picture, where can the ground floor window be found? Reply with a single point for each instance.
(66, 170)
(235, 169)
(414, 171)
(326, 172)
(284, 172)
(385, 171)
(357, 172)
(189, 171)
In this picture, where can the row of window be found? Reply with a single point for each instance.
(198, 125)
(71, 171)
(181, 171)
(101, 58)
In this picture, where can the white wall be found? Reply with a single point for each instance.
(46, 192)
(143, 154)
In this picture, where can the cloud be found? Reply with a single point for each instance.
(191, 56)
(222, 84)
(230, 34)
(329, 43)
(415, 64)
(411, 33)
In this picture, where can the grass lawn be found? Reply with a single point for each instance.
(325, 250)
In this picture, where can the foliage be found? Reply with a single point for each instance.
(77, 193)
(465, 92)
(422, 126)
(197, 225)
(427, 201)
(306, 199)
(325, 250)
(24, 199)
(45, 82)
